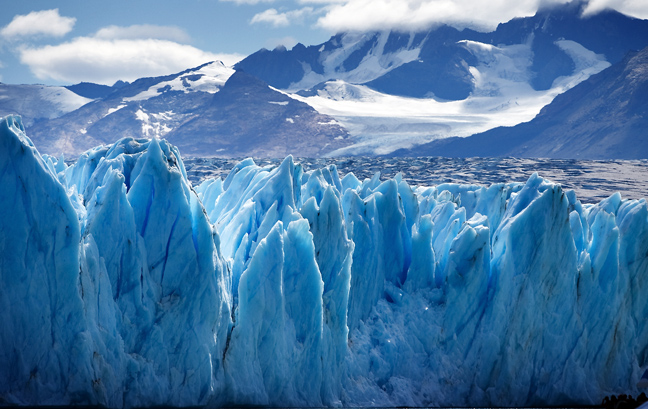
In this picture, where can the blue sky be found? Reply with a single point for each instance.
(69, 41)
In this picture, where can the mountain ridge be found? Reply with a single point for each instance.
(184, 108)
(604, 117)
(363, 93)
(606, 32)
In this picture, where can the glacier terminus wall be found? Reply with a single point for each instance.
(123, 285)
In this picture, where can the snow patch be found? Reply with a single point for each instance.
(113, 110)
(63, 98)
(163, 116)
(331, 122)
(209, 78)
(587, 63)
(374, 64)
(147, 128)
(502, 69)
(155, 127)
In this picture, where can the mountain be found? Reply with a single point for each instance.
(358, 93)
(146, 107)
(435, 62)
(365, 58)
(248, 118)
(395, 90)
(442, 69)
(93, 91)
(38, 102)
(381, 123)
(186, 108)
(604, 117)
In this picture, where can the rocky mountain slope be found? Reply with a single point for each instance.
(437, 62)
(248, 118)
(401, 90)
(145, 108)
(358, 93)
(186, 108)
(604, 117)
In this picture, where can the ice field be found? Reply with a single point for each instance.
(124, 285)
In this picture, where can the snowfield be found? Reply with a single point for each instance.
(123, 285)
(381, 123)
(208, 78)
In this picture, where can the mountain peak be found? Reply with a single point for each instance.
(601, 118)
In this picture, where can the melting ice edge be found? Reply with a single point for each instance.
(122, 285)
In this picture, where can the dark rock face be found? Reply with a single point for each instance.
(440, 71)
(604, 117)
(280, 67)
(90, 90)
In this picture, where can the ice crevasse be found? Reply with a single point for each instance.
(123, 285)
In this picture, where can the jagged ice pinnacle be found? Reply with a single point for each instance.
(122, 285)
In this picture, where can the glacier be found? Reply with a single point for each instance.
(123, 285)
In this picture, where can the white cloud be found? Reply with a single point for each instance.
(45, 22)
(634, 8)
(276, 19)
(418, 14)
(106, 61)
(144, 31)
(360, 15)
(271, 16)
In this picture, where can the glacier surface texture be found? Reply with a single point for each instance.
(123, 285)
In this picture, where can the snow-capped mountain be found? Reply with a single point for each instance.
(145, 108)
(358, 93)
(186, 109)
(604, 117)
(438, 63)
(398, 90)
(38, 102)
(248, 118)
(380, 123)
(360, 58)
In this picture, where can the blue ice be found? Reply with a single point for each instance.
(123, 285)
